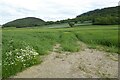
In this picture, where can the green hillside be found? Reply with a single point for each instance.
(25, 22)
(105, 16)
(100, 16)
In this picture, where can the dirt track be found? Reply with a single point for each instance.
(88, 63)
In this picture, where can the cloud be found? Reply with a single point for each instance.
(49, 9)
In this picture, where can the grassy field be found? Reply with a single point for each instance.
(0, 53)
(23, 46)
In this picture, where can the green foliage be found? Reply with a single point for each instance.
(106, 20)
(105, 16)
(71, 24)
(49, 22)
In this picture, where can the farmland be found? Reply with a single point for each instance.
(23, 46)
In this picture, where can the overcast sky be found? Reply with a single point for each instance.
(49, 9)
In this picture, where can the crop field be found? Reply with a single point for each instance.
(21, 47)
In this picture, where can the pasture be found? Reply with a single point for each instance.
(21, 47)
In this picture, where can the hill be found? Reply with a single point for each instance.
(100, 16)
(104, 16)
(25, 22)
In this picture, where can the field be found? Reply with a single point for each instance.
(23, 46)
(0, 53)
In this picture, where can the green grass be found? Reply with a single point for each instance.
(105, 38)
(23, 46)
(0, 53)
(68, 42)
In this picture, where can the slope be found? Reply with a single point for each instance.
(25, 22)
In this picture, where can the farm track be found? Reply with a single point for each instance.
(87, 63)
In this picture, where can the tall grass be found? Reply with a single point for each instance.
(106, 38)
(69, 42)
(26, 46)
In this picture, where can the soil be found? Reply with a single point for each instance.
(87, 63)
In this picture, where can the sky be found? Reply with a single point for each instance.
(49, 10)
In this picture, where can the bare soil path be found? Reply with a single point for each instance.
(87, 63)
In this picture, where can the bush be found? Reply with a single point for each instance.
(71, 24)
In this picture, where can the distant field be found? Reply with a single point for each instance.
(22, 46)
